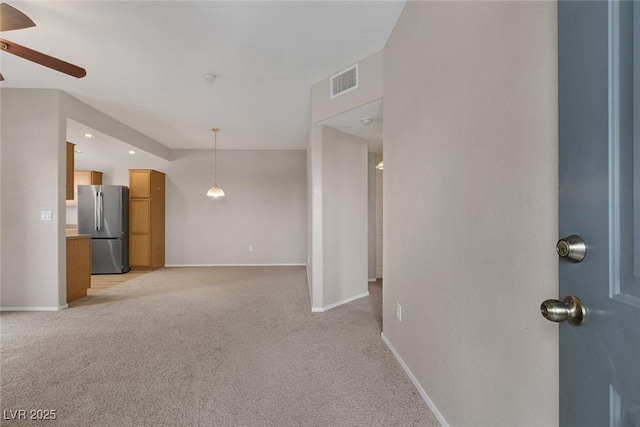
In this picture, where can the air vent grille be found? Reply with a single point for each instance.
(344, 81)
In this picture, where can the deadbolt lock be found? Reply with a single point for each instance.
(572, 248)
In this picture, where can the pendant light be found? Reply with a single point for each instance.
(380, 165)
(215, 191)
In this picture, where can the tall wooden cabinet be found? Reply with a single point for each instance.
(146, 218)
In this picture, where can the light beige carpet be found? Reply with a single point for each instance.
(206, 346)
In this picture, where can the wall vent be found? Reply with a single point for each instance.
(344, 81)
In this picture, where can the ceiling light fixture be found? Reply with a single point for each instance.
(132, 152)
(366, 121)
(89, 135)
(380, 165)
(209, 77)
(215, 191)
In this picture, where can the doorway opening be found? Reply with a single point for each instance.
(366, 121)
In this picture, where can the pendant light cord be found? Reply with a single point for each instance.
(215, 191)
(215, 158)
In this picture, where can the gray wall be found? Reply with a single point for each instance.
(33, 157)
(265, 205)
(344, 208)
(470, 207)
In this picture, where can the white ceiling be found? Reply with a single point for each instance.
(145, 61)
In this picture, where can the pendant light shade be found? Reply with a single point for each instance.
(215, 191)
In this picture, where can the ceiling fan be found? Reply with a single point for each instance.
(12, 19)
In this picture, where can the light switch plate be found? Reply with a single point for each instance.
(45, 215)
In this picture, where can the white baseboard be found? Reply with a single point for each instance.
(235, 265)
(372, 280)
(336, 304)
(415, 382)
(61, 307)
(309, 286)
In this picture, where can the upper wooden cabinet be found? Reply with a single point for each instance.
(140, 182)
(84, 178)
(146, 218)
(70, 167)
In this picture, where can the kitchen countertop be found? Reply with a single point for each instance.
(73, 234)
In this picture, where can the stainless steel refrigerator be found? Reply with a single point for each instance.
(103, 212)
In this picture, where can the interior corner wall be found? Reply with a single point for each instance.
(344, 215)
(33, 179)
(470, 207)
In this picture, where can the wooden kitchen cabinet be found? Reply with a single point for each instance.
(78, 266)
(70, 168)
(84, 178)
(146, 219)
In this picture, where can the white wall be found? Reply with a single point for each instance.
(344, 205)
(470, 179)
(33, 179)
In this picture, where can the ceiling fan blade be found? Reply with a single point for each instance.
(42, 59)
(12, 19)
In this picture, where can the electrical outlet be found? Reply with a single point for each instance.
(250, 248)
(399, 311)
(45, 215)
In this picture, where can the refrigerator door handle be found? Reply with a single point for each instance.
(100, 211)
(95, 213)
